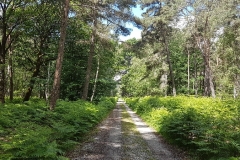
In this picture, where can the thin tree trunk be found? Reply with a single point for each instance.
(47, 85)
(57, 75)
(188, 71)
(234, 92)
(96, 78)
(90, 57)
(10, 73)
(10, 78)
(195, 83)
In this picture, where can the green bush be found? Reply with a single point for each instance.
(208, 128)
(30, 131)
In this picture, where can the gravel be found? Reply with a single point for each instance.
(124, 136)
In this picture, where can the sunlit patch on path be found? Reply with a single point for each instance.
(158, 149)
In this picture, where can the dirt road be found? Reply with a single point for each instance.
(124, 136)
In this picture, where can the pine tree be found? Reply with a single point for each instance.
(115, 13)
(57, 76)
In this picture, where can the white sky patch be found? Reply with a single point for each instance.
(117, 77)
(136, 33)
(181, 22)
(219, 32)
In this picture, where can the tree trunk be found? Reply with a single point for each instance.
(195, 83)
(90, 57)
(208, 80)
(96, 78)
(3, 52)
(47, 85)
(57, 75)
(204, 44)
(163, 83)
(170, 67)
(188, 71)
(10, 71)
(2, 79)
(33, 78)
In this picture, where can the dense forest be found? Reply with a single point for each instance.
(187, 47)
(56, 53)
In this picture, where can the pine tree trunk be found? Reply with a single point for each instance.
(90, 57)
(58, 70)
(204, 44)
(96, 78)
(170, 67)
(208, 79)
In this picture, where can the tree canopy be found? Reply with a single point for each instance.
(187, 47)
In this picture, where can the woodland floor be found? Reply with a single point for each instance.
(124, 136)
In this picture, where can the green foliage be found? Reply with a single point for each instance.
(30, 131)
(208, 128)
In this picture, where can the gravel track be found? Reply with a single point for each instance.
(124, 136)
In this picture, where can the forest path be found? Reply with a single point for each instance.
(124, 136)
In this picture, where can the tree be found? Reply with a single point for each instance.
(57, 75)
(91, 52)
(157, 28)
(206, 18)
(10, 18)
(75, 58)
(39, 31)
(111, 12)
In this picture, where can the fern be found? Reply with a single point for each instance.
(30, 131)
(206, 127)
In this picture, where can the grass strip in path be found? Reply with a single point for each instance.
(159, 149)
(133, 145)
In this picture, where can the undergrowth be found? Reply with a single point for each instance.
(208, 128)
(30, 131)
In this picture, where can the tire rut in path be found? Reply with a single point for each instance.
(114, 142)
(106, 145)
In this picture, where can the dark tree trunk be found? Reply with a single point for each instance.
(3, 51)
(2, 78)
(170, 67)
(90, 57)
(57, 75)
(33, 78)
